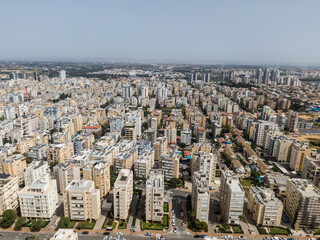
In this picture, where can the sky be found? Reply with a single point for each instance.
(284, 32)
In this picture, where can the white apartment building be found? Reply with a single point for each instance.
(39, 200)
(200, 196)
(231, 197)
(135, 118)
(81, 201)
(35, 171)
(122, 194)
(9, 188)
(65, 234)
(144, 163)
(65, 173)
(205, 163)
(169, 163)
(260, 131)
(155, 196)
(186, 135)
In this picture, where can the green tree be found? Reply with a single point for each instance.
(21, 222)
(8, 218)
(36, 226)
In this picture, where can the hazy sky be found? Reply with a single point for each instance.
(173, 31)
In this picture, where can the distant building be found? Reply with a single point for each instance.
(62, 75)
(35, 171)
(64, 174)
(127, 91)
(186, 136)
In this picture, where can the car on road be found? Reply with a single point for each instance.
(228, 237)
(283, 238)
(196, 236)
(119, 233)
(202, 236)
(148, 234)
(106, 233)
(266, 238)
(181, 214)
(85, 232)
(172, 210)
(241, 238)
(2, 234)
(175, 229)
(275, 238)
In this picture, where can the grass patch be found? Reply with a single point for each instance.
(109, 223)
(166, 207)
(156, 226)
(65, 222)
(224, 228)
(237, 229)
(245, 182)
(122, 225)
(317, 232)
(86, 225)
(33, 221)
(278, 231)
(262, 230)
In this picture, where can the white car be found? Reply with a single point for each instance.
(275, 238)
(242, 238)
(175, 229)
(228, 237)
(120, 233)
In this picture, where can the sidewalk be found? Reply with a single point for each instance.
(100, 222)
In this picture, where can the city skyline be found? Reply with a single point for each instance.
(230, 32)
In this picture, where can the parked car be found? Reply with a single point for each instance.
(85, 232)
(242, 238)
(148, 234)
(196, 236)
(2, 234)
(228, 237)
(106, 233)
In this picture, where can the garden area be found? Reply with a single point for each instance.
(237, 229)
(317, 231)
(224, 228)
(166, 207)
(245, 182)
(109, 223)
(8, 218)
(279, 231)
(122, 225)
(262, 230)
(65, 222)
(86, 225)
(155, 226)
(35, 225)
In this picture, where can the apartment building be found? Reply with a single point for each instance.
(38, 152)
(144, 163)
(155, 196)
(9, 188)
(35, 171)
(265, 208)
(311, 169)
(99, 173)
(130, 131)
(124, 160)
(231, 197)
(302, 205)
(64, 174)
(15, 166)
(170, 163)
(60, 152)
(298, 153)
(170, 132)
(81, 201)
(160, 146)
(205, 163)
(200, 135)
(283, 150)
(200, 196)
(260, 131)
(39, 200)
(186, 136)
(65, 234)
(122, 194)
